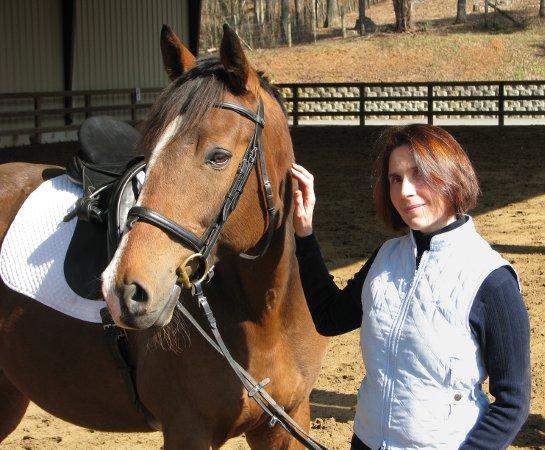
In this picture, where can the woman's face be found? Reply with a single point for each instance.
(419, 207)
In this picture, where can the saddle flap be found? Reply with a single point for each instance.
(94, 243)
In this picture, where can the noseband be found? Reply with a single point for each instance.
(204, 245)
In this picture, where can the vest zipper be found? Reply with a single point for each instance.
(393, 341)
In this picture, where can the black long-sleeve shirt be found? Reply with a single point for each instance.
(498, 319)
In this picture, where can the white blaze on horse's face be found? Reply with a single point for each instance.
(167, 136)
(109, 275)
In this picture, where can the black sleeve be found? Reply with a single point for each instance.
(500, 322)
(334, 311)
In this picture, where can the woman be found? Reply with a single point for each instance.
(439, 309)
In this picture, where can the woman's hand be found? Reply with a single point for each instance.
(303, 200)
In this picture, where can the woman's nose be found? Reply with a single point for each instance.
(407, 188)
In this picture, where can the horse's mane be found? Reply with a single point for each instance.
(193, 95)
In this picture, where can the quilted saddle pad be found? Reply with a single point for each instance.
(33, 251)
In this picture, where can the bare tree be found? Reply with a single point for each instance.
(284, 20)
(268, 11)
(461, 15)
(541, 8)
(361, 17)
(258, 12)
(332, 18)
(299, 14)
(224, 8)
(403, 10)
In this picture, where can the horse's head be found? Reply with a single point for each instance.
(196, 143)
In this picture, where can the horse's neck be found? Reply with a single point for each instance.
(261, 287)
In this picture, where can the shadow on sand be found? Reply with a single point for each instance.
(325, 404)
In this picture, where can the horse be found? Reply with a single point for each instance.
(193, 149)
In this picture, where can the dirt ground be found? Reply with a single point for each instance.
(511, 213)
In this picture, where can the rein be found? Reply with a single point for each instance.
(255, 390)
(203, 246)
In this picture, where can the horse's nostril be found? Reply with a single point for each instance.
(135, 292)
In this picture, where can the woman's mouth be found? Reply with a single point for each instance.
(413, 208)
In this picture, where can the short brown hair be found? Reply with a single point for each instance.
(444, 165)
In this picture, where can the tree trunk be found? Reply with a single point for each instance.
(361, 17)
(299, 15)
(332, 18)
(258, 18)
(314, 18)
(461, 15)
(403, 10)
(224, 10)
(542, 8)
(268, 12)
(284, 20)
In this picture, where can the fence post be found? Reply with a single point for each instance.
(87, 104)
(501, 104)
(362, 104)
(430, 104)
(37, 119)
(295, 109)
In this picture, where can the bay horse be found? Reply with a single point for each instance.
(193, 149)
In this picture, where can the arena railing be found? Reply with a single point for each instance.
(501, 93)
(368, 100)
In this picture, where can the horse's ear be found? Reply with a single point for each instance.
(176, 57)
(241, 76)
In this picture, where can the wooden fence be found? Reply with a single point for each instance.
(367, 96)
(131, 103)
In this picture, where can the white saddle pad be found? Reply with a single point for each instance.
(33, 252)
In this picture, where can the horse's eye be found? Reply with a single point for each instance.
(218, 158)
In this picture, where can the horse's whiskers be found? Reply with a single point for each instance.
(168, 337)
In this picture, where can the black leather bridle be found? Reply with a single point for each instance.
(203, 245)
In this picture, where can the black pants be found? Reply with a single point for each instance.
(356, 444)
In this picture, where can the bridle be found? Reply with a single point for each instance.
(203, 245)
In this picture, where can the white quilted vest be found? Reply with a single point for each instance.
(424, 368)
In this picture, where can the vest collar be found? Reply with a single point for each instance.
(458, 235)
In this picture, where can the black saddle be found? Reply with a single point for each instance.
(106, 167)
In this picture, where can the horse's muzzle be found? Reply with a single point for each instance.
(135, 311)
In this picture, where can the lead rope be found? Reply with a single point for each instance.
(255, 390)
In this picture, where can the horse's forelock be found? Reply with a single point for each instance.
(192, 95)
